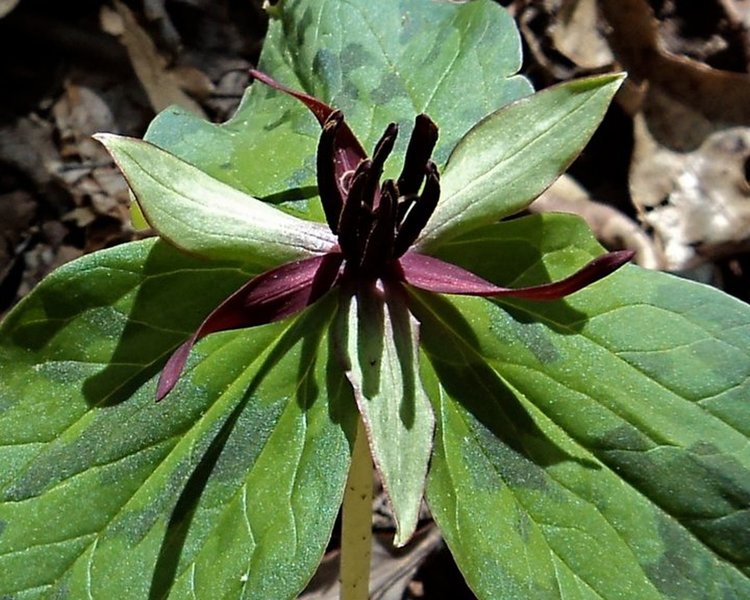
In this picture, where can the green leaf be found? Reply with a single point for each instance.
(389, 61)
(107, 494)
(378, 342)
(512, 156)
(206, 217)
(596, 447)
(377, 61)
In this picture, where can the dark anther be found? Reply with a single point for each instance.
(384, 146)
(376, 222)
(421, 144)
(382, 149)
(421, 211)
(349, 224)
(379, 243)
(331, 194)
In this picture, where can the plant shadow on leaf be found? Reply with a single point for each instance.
(370, 335)
(465, 375)
(309, 328)
(371, 309)
(292, 195)
(168, 306)
(403, 341)
(60, 308)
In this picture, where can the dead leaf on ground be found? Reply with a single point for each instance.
(685, 100)
(79, 113)
(566, 37)
(96, 187)
(696, 203)
(392, 568)
(578, 34)
(689, 172)
(162, 85)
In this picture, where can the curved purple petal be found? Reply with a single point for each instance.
(434, 275)
(269, 297)
(348, 150)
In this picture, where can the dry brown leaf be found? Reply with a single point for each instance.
(699, 99)
(27, 145)
(194, 81)
(565, 37)
(688, 177)
(79, 113)
(696, 203)
(392, 568)
(81, 216)
(161, 85)
(577, 34)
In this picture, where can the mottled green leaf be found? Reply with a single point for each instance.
(107, 494)
(510, 157)
(378, 343)
(592, 447)
(377, 61)
(207, 217)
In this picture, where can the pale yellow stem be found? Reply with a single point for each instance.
(356, 523)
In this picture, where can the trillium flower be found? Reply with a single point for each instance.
(376, 225)
(374, 251)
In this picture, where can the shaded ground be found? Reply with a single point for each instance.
(667, 174)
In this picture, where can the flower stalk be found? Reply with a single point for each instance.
(356, 522)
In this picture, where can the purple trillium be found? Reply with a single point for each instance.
(376, 224)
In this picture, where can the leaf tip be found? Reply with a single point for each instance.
(107, 139)
(609, 81)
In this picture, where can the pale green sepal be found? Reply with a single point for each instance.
(378, 339)
(203, 216)
(513, 155)
(137, 220)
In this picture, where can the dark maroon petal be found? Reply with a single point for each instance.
(269, 297)
(435, 275)
(349, 151)
(320, 109)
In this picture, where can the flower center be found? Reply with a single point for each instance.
(376, 222)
